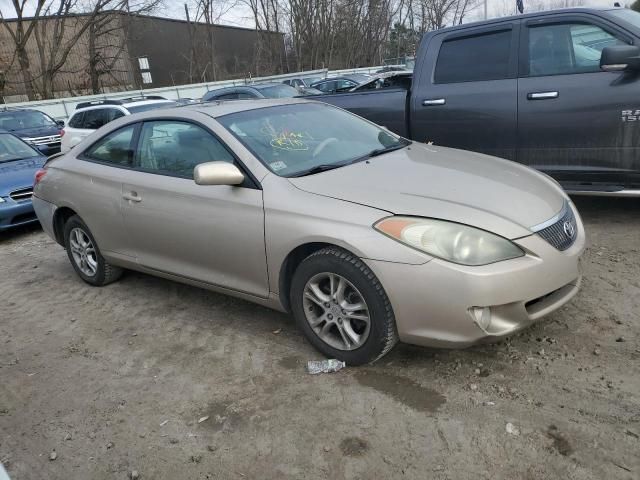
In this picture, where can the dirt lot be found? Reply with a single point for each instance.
(116, 379)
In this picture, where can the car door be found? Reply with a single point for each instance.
(465, 95)
(212, 234)
(572, 116)
(95, 189)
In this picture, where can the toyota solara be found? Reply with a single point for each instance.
(365, 237)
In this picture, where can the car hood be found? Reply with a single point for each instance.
(428, 181)
(37, 132)
(18, 174)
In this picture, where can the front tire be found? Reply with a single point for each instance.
(342, 308)
(84, 254)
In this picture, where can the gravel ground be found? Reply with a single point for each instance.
(174, 382)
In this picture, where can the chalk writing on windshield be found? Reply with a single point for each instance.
(287, 139)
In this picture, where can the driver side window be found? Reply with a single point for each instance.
(567, 48)
(175, 148)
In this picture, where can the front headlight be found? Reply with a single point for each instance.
(2, 200)
(450, 241)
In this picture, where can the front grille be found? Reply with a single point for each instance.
(51, 140)
(22, 194)
(563, 232)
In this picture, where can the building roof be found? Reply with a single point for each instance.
(150, 17)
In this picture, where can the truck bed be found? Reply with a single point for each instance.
(385, 107)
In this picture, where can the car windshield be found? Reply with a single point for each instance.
(22, 120)
(310, 80)
(279, 91)
(293, 140)
(11, 148)
(628, 15)
(151, 106)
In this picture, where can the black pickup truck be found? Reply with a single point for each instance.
(557, 90)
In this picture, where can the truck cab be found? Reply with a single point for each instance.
(558, 91)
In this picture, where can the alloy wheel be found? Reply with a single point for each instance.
(336, 311)
(83, 252)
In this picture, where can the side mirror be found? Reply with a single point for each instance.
(217, 173)
(620, 58)
(60, 123)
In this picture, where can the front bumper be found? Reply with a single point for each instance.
(13, 214)
(436, 304)
(49, 149)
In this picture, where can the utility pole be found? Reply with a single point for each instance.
(485, 9)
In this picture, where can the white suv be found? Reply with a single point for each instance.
(90, 116)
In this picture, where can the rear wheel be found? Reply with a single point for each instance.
(85, 256)
(342, 308)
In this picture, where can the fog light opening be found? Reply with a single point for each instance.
(482, 317)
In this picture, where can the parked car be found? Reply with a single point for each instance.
(186, 101)
(555, 90)
(304, 82)
(391, 79)
(90, 116)
(343, 83)
(19, 162)
(364, 236)
(252, 92)
(34, 127)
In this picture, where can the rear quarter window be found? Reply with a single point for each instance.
(474, 58)
(76, 120)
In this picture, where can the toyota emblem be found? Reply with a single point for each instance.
(569, 229)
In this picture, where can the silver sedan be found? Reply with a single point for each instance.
(365, 237)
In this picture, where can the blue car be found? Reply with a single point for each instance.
(34, 127)
(19, 162)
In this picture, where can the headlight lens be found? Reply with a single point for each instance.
(450, 241)
(2, 200)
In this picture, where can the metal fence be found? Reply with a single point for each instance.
(63, 108)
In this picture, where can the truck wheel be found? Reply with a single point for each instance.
(85, 256)
(342, 308)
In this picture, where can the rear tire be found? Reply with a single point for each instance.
(342, 308)
(84, 254)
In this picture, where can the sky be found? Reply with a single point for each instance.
(240, 15)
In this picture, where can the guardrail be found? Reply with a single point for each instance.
(63, 108)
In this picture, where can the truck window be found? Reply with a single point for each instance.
(567, 48)
(473, 59)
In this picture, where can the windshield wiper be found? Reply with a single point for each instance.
(317, 169)
(381, 151)
(373, 153)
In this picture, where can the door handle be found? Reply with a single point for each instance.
(132, 197)
(433, 101)
(542, 95)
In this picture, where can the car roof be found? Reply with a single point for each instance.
(122, 105)
(260, 86)
(219, 108)
(524, 16)
(122, 102)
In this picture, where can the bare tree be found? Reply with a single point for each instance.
(20, 36)
(108, 35)
(202, 16)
